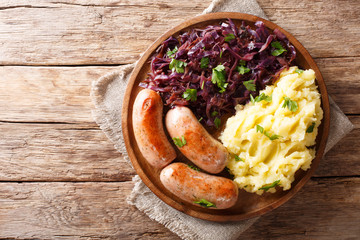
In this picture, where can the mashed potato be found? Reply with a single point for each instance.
(259, 162)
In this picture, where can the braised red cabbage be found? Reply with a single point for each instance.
(250, 59)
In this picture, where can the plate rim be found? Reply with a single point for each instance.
(213, 216)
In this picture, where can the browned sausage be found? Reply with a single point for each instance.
(149, 130)
(195, 187)
(201, 148)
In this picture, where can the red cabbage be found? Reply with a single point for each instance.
(224, 44)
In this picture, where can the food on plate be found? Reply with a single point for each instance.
(199, 188)
(212, 70)
(149, 131)
(272, 137)
(194, 141)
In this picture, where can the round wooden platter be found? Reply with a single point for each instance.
(249, 204)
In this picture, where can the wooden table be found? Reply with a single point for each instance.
(61, 177)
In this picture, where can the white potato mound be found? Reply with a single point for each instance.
(258, 162)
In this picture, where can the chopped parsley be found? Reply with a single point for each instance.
(179, 142)
(310, 129)
(193, 167)
(250, 85)
(274, 184)
(190, 94)
(171, 53)
(229, 37)
(299, 71)
(217, 122)
(278, 48)
(266, 133)
(252, 99)
(177, 65)
(242, 70)
(204, 62)
(242, 62)
(202, 84)
(218, 77)
(237, 158)
(205, 203)
(214, 113)
(260, 98)
(290, 104)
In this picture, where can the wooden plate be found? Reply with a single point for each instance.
(249, 204)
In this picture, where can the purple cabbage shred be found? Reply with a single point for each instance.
(250, 45)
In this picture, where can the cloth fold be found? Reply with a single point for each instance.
(107, 95)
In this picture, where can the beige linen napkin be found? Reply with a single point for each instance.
(107, 95)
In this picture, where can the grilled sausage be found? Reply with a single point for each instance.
(195, 187)
(201, 148)
(149, 131)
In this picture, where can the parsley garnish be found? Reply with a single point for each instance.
(274, 184)
(205, 203)
(193, 167)
(261, 97)
(290, 104)
(242, 70)
(299, 71)
(204, 62)
(259, 128)
(218, 77)
(237, 158)
(279, 48)
(229, 37)
(171, 53)
(266, 133)
(179, 142)
(310, 129)
(202, 84)
(214, 113)
(177, 65)
(250, 85)
(242, 62)
(252, 99)
(190, 94)
(217, 122)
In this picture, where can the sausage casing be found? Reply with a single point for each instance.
(149, 130)
(201, 148)
(193, 186)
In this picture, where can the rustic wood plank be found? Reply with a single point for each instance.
(81, 152)
(323, 27)
(86, 32)
(324, 209)
(116, 32)
(61, 94)
(59, 152)
(47, 94)
(343, 158)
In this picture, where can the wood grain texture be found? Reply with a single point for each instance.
(61, 94)
(69, 210)
(116, 32)
(47, 132)
(85, 32)
(81, 152)
(59, 152)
